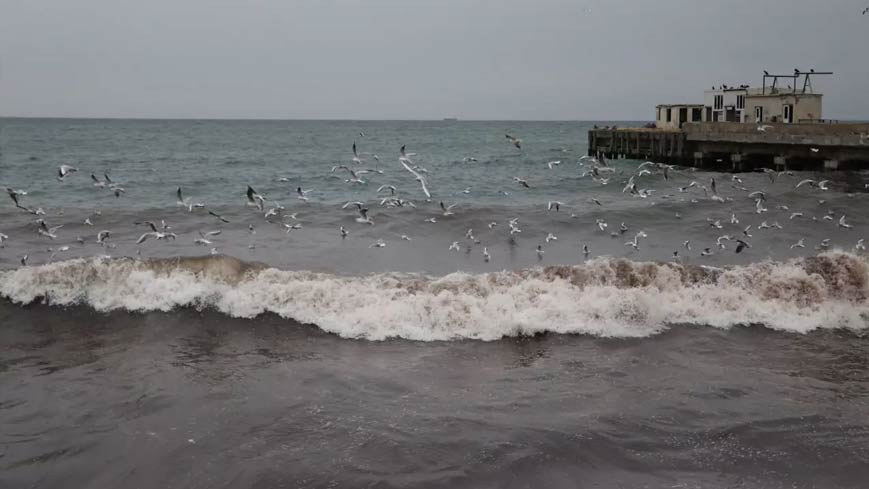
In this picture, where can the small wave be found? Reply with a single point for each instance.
(605, 297)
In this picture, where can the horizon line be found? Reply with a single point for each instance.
(276, 119)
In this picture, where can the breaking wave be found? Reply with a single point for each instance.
(605, 297)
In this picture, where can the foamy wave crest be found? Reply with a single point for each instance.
(605, 297)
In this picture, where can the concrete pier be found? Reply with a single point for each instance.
(740, 147)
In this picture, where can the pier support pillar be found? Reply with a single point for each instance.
(698, 159)
(736, 162)
(780, 163)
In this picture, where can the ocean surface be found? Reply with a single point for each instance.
(429, 346)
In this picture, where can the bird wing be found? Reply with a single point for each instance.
(144, 237)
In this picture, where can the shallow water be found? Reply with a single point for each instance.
(189, 399)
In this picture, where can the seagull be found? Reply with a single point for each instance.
(706, 252)
(759, 206)
(291, 227)
(65, 170)
(219, 217)
(554, 204)
(733, 219)
(354, 174)
(302, 194)
(254, 199)
(356, 158)
(843, 224)
(716, 223)
(595, 201)
(404, 160)
(378, 244)
(3, 239)
(405, 156)
(553, 164)
(687, 245)
(486, 256)
(540, 251)
(601, 224)
(102, 236)
(391, 189)
(622, 228)
(763, 128)
(823, 245)
(469, 159)
(585, 250)
(364, 218)
(87, 222)
(808, 181)
(514, 141)
(405, 237)
(356, 203)
(799, 244)
(748, 228)
(636, 241)
(454, 246)
(48, 232)
(741, 245)
(521, 181)
(343, 231)
(690, 185)
(823, 185)
(24, 261)
(97, 182)
(156, 235)
(551, 237)
(757, 194)
(62, 249)
(188, 203)
(860, 246)
(492, 224)
(447, 210)
(796, 214)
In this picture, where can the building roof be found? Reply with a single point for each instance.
(788, 93)
(680, 105)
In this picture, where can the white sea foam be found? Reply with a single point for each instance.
(605, 297)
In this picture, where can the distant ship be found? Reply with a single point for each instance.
(450, 119)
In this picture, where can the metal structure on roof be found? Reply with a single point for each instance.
(806, 76)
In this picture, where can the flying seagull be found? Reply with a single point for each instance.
(404, 160)
(254, 198)
(514, 141)
(65, 170)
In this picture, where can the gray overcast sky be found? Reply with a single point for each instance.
(407, 59)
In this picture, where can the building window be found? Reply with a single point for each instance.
(758, 113)
(719, 102)
(696, 114)
(669, 115)
(740, 101)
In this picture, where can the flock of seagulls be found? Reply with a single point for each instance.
(635, 185)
